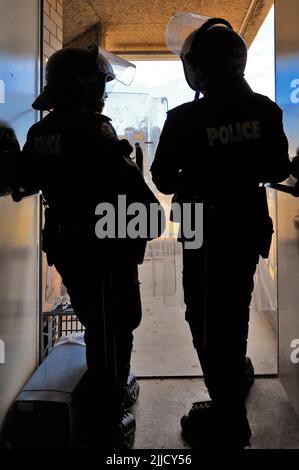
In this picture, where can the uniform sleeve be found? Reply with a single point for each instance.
(26, 166)
(37, 168)
(31, 167)
(167, 162)
(276, 164)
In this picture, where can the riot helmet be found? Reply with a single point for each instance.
(74, 76)
(211, 53)
(79, 76)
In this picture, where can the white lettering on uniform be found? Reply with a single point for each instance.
(256, 129)
(234, 132)
(224, 134)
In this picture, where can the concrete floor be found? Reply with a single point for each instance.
(163, 345)
(162, 402)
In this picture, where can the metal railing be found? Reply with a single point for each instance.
(60, 321)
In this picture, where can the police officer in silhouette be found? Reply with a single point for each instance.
(217, 150)
(74, 156)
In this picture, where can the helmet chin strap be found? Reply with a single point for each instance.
(196, 96)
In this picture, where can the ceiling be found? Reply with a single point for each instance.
(127, 26)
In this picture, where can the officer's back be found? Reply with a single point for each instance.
(73, 161)
(221, 147)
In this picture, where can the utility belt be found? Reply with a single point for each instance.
(55, 233)
(218, 219)
(56, 226)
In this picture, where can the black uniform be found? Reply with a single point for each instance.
(217, 150)
(74, 156)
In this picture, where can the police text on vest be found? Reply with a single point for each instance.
(234, 132)
(47, 144)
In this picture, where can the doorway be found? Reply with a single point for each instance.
(163, 345)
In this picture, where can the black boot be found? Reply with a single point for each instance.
(127, 431)
(217, 427)
(202, 421)
(132, 391)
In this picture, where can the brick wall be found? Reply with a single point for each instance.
(52, 27)
(52, 30)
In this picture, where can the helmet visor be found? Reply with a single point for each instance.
(124, 71)
(179, 27)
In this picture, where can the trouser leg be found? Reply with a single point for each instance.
(219, 333)
(107, 303)
(193, 285)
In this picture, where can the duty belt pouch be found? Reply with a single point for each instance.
(266, 237)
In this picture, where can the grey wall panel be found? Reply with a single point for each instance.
(287, 96)
(19, 223)
(19, 252)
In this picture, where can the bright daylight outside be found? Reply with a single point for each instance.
(139, 116)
